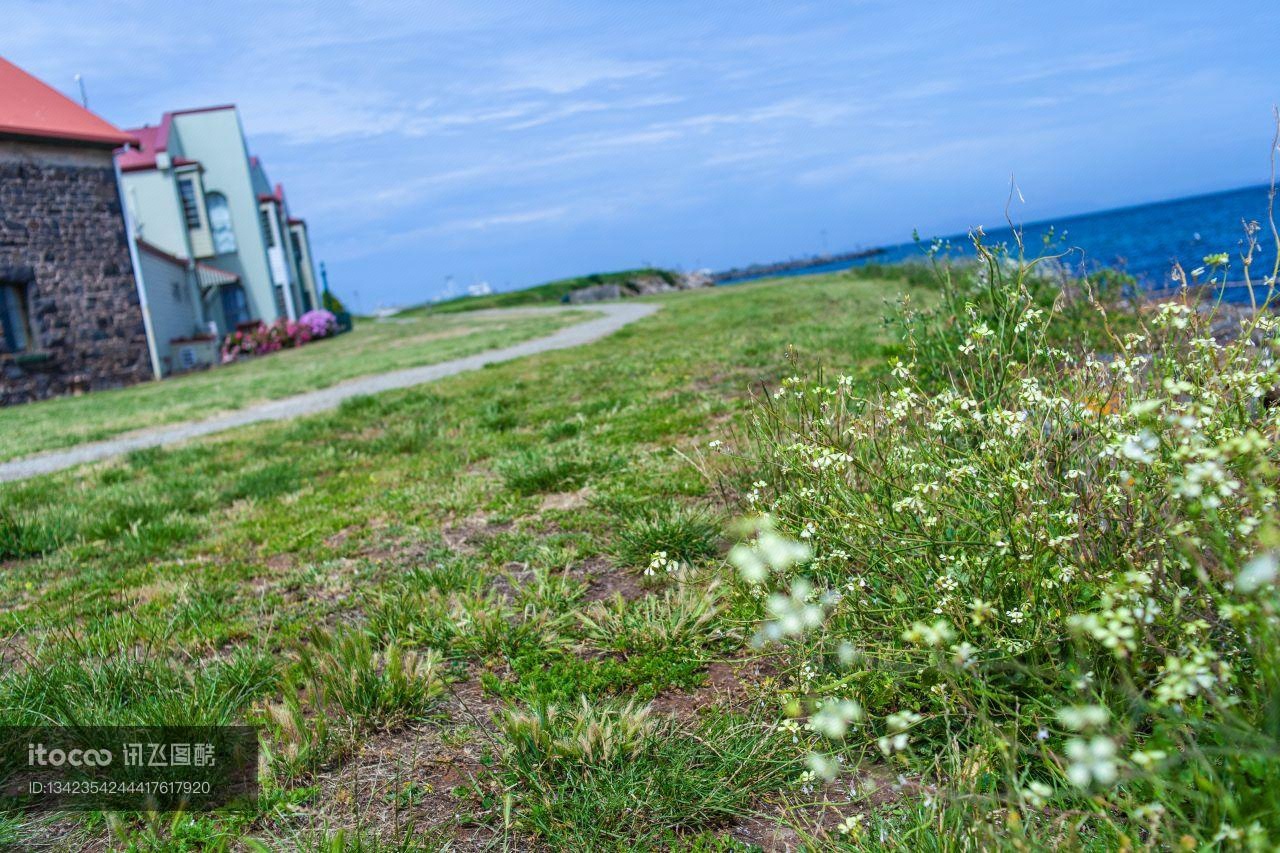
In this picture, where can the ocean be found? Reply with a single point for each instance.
(1144, 240)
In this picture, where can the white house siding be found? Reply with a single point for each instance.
(298, 231)
(172, 300)
(216, 139)
(157, 215)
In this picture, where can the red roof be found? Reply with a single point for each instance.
(277, 196)
(153, 140)
(30, 108)
(150, 140)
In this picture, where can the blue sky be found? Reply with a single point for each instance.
(517, 142)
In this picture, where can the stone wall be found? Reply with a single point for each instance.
(62, 236)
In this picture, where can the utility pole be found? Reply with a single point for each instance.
(84, 97)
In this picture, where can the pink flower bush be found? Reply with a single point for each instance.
(322, 323)
(282, 334)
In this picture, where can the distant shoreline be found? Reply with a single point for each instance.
(764, 270)
(1144, 240)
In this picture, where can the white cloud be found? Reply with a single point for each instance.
(560, 73)
(498, 220)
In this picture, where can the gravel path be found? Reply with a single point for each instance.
(616, 315)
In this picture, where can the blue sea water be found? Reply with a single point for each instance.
(1144, 240)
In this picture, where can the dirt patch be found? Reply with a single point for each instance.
(566, 500)
(280, 563)
(165, 588)
(728, 685)
(461, 534)
(604, 580)
(397, 552)
(336, 540)
(408, 778)
(15, 651)
(332, 586)
(277, 570)
(403, 780)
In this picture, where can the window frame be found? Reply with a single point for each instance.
(265, 217)
(297, 250)
(15, 305)
(190, 206)
(228, 234)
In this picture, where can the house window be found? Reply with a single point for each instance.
(235, 307)
(267, 232)
(190, 210)
(224, 238)
(297, 252)
(15, 328)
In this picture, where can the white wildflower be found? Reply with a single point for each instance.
(1092, 761)
(1259, 572)
(1081, 717)
(834, 718)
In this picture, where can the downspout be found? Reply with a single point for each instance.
(137, 272)
(197, 295)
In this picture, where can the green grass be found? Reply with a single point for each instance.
(374, 346)
(608, 776)
(551, 293)
(483, 523)
(681, 533)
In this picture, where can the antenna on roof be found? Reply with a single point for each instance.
(84, 97)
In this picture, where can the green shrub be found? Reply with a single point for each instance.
(332, 303)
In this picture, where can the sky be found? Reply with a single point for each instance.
(434, 145)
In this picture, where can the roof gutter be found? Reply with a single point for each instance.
(152, 349)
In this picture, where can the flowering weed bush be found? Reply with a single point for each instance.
(1039, 577)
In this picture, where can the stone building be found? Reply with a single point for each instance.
(71, 314)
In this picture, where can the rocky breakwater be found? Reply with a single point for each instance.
(639, 285)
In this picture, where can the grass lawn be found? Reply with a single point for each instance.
(374, 346)
(434, 601)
